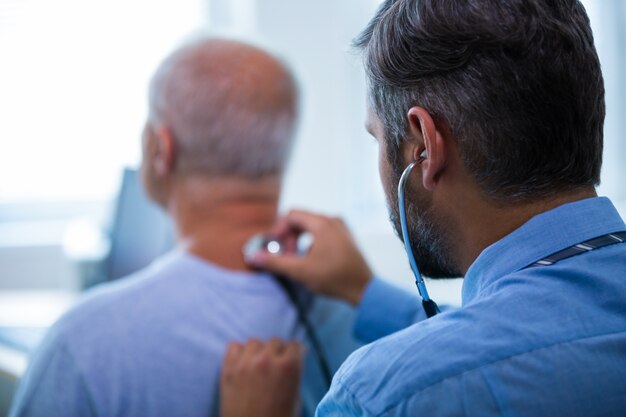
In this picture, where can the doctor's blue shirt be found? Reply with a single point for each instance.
(541, 341)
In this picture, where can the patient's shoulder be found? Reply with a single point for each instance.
(115, 306)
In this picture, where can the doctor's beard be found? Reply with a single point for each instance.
(430, 243)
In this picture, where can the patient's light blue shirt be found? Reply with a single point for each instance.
(152, 345)
(544, 341)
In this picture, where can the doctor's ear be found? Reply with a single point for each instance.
(427, 142)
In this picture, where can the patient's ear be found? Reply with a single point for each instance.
(164, 152)
(426, 141)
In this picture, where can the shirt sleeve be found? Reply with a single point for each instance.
(386, 309)
(339, 402)
(53, 385)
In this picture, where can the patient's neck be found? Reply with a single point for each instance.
(214, 218)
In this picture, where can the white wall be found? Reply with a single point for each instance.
(608, 21)
(334, 162)
(334, 165)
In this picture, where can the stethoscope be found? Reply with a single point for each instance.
(294, 293)
(261, 242)
(430, 307)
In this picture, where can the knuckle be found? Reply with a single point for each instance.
(327, 222)
(234, 349)
(254, 342)
(294, 213)
(262, 363)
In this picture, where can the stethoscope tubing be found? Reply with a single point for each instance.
(419, 280)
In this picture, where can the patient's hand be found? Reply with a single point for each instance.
(261, 379)
(333, 266)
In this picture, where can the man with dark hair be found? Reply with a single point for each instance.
(500, 105)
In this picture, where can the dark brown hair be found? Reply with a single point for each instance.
(517, 83)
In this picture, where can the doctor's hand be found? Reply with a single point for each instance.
(333, 266)
(261, 379)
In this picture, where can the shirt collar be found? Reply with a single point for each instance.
(543, 235)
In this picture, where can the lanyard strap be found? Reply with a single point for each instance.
(584, 247)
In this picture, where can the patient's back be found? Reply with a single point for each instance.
(152, 344)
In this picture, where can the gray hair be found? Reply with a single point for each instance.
(231, 107)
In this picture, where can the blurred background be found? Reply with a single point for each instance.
(73, 83)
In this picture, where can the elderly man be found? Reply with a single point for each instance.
(220, 128)
(498, 105)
